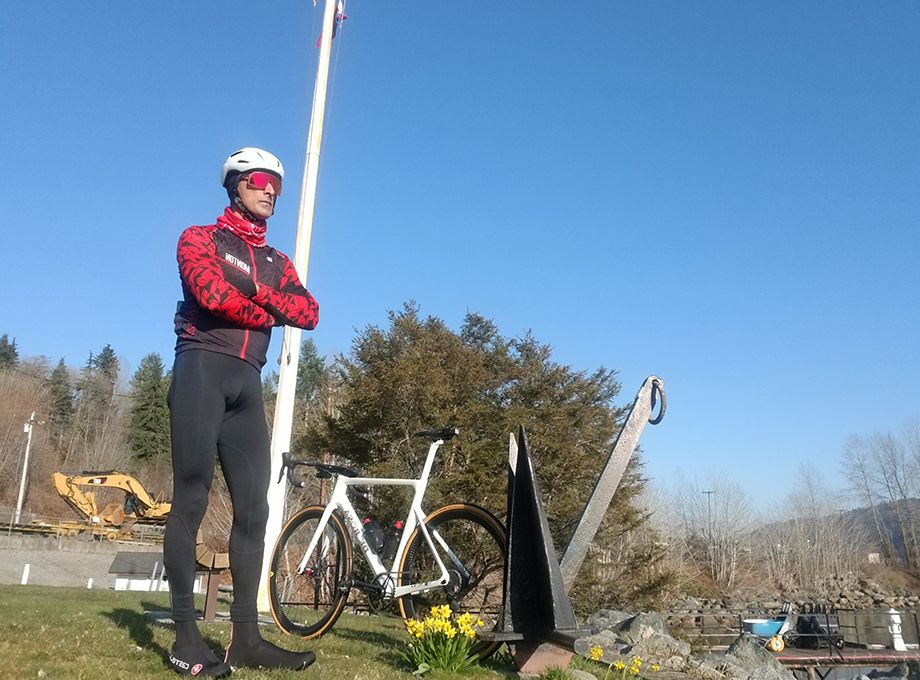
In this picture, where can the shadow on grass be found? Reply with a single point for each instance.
(387, 644)
(371, 637)
(140, 628)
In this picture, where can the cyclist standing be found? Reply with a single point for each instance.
(236, 288)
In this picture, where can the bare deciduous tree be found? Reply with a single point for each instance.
(815, 543)
(716, 520)
(883, 471)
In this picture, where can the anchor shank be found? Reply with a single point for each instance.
(609, 480)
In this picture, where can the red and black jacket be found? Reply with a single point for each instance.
(224, 310)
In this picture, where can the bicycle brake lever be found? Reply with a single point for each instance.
(285, 464)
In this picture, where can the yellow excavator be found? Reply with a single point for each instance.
(139, 506)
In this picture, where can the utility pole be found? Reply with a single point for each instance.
(27, 428)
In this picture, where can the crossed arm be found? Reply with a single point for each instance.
(204, 277)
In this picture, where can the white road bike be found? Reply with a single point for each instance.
(455, 555)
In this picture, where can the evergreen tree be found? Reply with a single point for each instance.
(96, 410)
(107, 364)
(417, 374)
(270, 394)
(311, 371)
(62, 400)
(148, 426)
(310, 392)
(98, 380)
(9, 355)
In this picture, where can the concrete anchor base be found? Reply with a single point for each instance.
(536, 657)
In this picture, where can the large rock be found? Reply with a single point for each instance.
(909, 671)
(578, 674)
(748, 652)
(764, 673)
(606, 640)
(899, 672)
(663, 650)
(640, 627)
(716, 668)
(607, 619)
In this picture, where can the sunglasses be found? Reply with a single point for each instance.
(261, 180)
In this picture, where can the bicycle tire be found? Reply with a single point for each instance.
(477, 538)
(309, 604)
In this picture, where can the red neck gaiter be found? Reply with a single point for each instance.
(251, 232)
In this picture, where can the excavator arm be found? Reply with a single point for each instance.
(138, 502)
(84, 504)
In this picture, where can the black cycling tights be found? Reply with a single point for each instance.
(216, 411)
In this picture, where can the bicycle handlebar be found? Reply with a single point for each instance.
(288, 463)
(324, 470)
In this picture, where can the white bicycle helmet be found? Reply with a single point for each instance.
(248, 159)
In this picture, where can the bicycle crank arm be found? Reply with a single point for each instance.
(367, 587)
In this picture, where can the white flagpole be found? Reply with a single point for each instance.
(290, 349)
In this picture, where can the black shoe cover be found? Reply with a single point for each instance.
(264, 654)
(193, 660)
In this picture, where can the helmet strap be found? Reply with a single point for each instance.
(238, 202)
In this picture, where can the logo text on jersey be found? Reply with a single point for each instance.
(238, 263)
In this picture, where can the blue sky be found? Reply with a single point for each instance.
(724, 194)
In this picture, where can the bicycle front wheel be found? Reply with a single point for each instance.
(475, 559)
(308, 603)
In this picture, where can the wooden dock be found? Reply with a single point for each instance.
(820, 662)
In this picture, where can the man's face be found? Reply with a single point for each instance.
(259, 202)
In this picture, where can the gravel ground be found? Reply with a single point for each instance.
(61, 561)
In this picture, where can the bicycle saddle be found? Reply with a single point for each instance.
(444, 433)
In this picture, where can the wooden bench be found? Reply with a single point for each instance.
(213, 563)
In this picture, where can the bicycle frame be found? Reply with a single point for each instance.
(339, 501)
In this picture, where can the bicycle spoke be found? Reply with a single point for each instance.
(308, 602)
(470, 542)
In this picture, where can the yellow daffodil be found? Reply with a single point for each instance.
(442, 638)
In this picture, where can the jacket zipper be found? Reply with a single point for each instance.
(252, 259)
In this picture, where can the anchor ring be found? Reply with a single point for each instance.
(658, 395)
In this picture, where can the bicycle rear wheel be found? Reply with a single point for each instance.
(309, 603)
(475, 563)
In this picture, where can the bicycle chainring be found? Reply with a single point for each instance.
(381, 594)
(455, 584)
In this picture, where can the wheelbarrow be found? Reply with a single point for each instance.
(770, 630)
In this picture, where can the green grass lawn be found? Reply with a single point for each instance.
(100, 635)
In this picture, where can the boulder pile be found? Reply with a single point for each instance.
(622, 636)
(842, 594)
